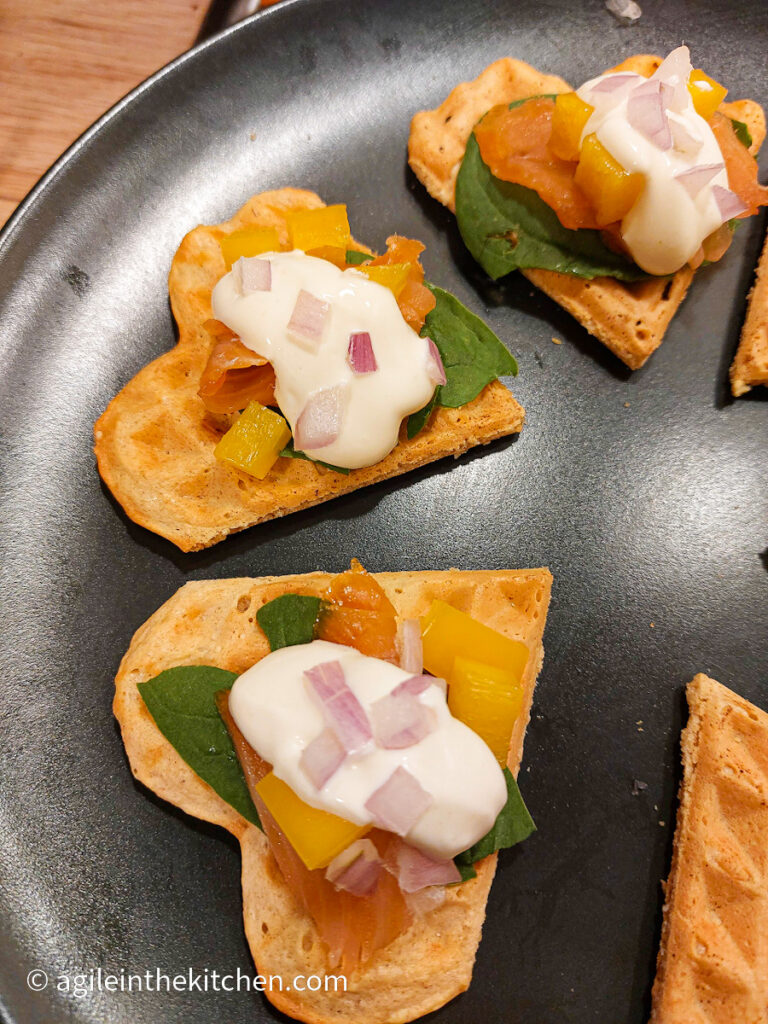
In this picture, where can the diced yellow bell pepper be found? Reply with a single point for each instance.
(328, 225)
(254, 442)
(706, 92)
(248, 242)
(391, 275)
(611, 190)
(315, 835)
(488, 700)
(448, 633)
(333, 253)
(568, 122)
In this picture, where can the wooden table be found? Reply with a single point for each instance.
(64, 62)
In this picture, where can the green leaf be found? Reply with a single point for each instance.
(513, 825)
(507, 227)
(472, 356)
(183, 705)
(418, 420)
(743, 133)
(355, 258)
(466, 871)
(289, 452)
(289, 619)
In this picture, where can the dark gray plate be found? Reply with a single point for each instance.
(645, 494)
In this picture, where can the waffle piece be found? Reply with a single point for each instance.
(713, 959)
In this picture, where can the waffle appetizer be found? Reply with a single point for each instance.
(306, 367)
(750, 365)
(608, 198)
(712, 966)
(361, 736)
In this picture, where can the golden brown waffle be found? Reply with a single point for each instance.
(214, 623)
(750, 364)
(713, 960)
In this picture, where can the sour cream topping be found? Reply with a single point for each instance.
(371, 406)
(666, 225)
(274, 710)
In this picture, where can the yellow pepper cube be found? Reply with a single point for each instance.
(248, 242)
(448, 633)
(332, 253)
(311, 229)
(488, 700)
(315, 835)
(255, 440)
(706, 92)
(611, 190)
(568, 122)
(390, 275)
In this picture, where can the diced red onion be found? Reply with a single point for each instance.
(414, 870)
(360, 355)
(695, 178)
(435, 367)
(319, 421)
(399, 803)
(410, 646)
(321, 758)
(255, 274)
(421, 902)
(684, 141)
(674, 72)
(341, 708)
(308, 319)
(400, 720)
(417, 684)
(356, 869)
(614, 82)
(728, 203)
(646, 114)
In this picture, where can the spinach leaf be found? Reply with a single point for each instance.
(289, 452)
(472, 356)
(182, 702)
(466, 871)
(355, 258)
(289, 619)
(418, 420)
(507, 227)
(743, 133)
(513, 825)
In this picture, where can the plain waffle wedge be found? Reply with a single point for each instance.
(713, 960)
(750, 365)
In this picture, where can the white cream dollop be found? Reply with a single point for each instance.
(373, 405)
(666, 226)
(274, 711)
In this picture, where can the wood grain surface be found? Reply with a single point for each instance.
(64, 62)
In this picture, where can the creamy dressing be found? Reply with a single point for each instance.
(373, 404)
(273, 709)
(666, 226)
